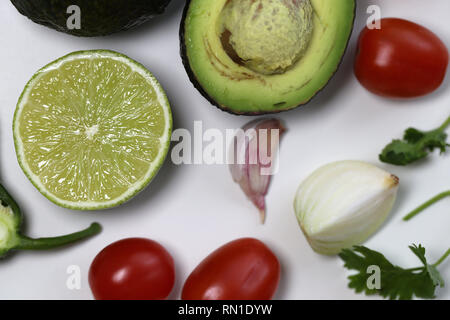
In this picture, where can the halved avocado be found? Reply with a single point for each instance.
(263, 56)
(98, 17)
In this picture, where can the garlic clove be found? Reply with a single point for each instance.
(254, 152)
(343, 203)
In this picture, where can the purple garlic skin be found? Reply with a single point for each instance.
(253, 160)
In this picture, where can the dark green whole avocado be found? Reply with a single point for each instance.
(98, 17)
(253, 57)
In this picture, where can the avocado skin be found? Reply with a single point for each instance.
(98, 17)
(197, 85)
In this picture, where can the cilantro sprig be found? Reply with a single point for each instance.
(395, 282)
(416, 145)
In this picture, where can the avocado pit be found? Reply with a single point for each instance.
(266, 36)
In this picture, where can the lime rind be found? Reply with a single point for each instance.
(155, 164)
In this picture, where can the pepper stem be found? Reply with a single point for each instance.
(49, 243)
(427, 204)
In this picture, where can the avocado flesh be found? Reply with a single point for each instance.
(98, 17)
(233, 86)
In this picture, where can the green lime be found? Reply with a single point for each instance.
(92, 129)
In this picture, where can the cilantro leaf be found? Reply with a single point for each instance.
(434, 274)
(415, 145)
(395, 282)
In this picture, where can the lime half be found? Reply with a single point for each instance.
(92, 129)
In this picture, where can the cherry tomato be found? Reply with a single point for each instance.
(243, 269)
(132, 269)
(400, 60)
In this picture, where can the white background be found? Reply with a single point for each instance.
(193, 210)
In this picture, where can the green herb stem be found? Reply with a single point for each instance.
(445, 256)
(415, 269)
(445, 124)
(427, 204)
(49, 243)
